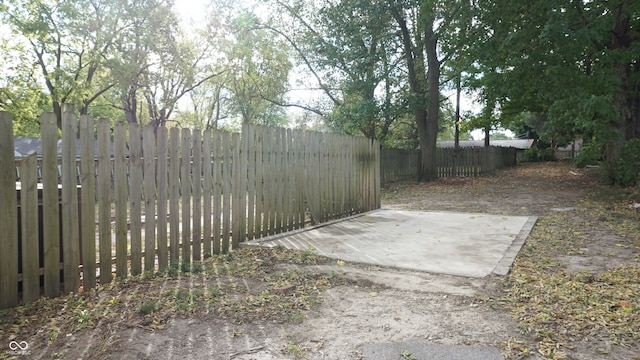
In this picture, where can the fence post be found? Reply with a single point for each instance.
(8, 216)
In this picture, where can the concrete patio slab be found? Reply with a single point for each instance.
(429, 351)
(463, 244)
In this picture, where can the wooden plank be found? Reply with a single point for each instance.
(196, 174)
(378, 180)
(248, 138)
(242, 175)
(372, 175)
(185, 178)
(217, 191)
(320, 171)
(290, 185)
(104, 200)
(174, 196)
(299, 176)
(279, 180)
(236, 191)
(283, 175)
(352, 190)
(359, 176)
(308, 178)
(259, 180)
(70, 229)
(342, 176)
(120, 189)
(272, 188)
(322, 177)
(8, 215)
(277, 175)
(149, 191)
(343, 182)
(335, 175)
(163, 193)
(69, 203)
(226, 191)
(207, 192)
(50, 205)
(135, 196)
(29, 225)
(88, 204)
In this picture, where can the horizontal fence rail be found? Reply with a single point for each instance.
(137, 198)
(398, 165)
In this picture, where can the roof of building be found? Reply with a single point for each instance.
(515, 143)
(26, 145)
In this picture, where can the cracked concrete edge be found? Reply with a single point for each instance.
(260, 241)
(504, 265)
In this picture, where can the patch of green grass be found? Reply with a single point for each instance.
(295, 350)
(83, 317)
(147, 308)
(296, 318)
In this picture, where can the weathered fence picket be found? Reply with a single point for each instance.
(88, 203)
(29, 225)
(50, 206)
(120, 190)
(135, 197)
(163, 195)
(8, 216)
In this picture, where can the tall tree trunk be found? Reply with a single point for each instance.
(633, 128)
(423, 115)
(623, 129)
(487, 135)
(57, 109)
(429, 159)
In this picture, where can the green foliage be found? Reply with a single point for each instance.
(543, 154)
(147, 308)
(349, 49)
(562, 64)
(590, 154)
(531, 155)
(627, 166)
(257, 67)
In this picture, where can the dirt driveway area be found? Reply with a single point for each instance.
(573, 292)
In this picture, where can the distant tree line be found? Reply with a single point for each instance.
(552, 70)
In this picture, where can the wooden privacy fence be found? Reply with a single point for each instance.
(399, 165)
(473, 161)
(163, 196)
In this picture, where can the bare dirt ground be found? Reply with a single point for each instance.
(573, 293)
